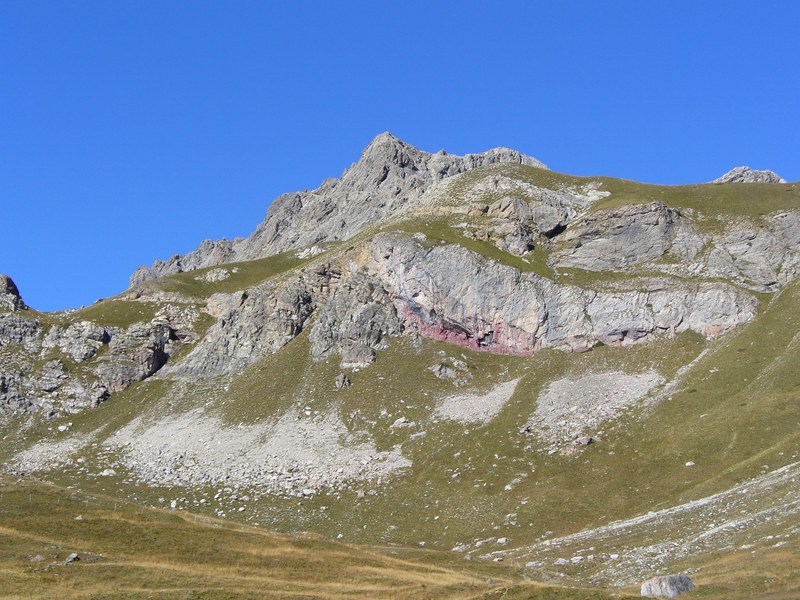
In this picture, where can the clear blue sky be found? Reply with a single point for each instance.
(131, 131)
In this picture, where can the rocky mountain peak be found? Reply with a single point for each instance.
(386, 147)
(384, 139)
(748, 175)
(389, 177)
(382, 161)
(9, 295)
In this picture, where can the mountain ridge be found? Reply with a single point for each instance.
(340, 208)
(389, 174)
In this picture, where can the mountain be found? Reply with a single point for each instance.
(390, 176)
(586, 379)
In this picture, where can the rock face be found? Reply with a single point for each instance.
(20, 330)
(12, 398)
(748, 175)
(252, 323)
(389, 175)
(80, 341)
(759, 256)
(619, 238)
(355, 322)
(455, 295)
(134, 355)
(209, 253)
(10, 300)
(66, 368)
(393, 285)
(669, 586)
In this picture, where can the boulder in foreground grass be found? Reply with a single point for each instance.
(668, 586)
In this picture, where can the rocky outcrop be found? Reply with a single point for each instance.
(12, 398)
(510, 223)
(394, 285)
(510, 212)
(545, 218)
(760, 255)
(253, 323)
(208, 254)
(10, 300)
(356, 321)
(80, 341)
(618, 238)
(68, 367)
(16, 329)
(748, 175)
(451, 294)
(134, 354)
(389, 175)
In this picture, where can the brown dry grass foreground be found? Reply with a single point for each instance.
(126, 551)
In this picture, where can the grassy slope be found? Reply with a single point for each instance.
(737, 411)
(713, 200)
(128, 552)
(242, 276)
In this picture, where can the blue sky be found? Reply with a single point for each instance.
(131, 131)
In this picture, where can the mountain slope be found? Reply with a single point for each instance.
(500, 363)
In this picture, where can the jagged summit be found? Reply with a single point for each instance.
(383, 139)
(391, 148)
(386, 146)
(748, 175)
(389, 175)
(10, 298)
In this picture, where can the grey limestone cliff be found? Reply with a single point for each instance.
(622, 237)
(449, 293)
(761, 254)
(357, 319)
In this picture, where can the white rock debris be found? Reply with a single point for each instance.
(571, 407)
(476, 408)
(294, 454)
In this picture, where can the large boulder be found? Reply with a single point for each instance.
(667, 586)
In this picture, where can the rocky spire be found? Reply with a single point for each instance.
(748, 175)
(9, 295)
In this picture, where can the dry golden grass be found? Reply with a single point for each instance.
(130, 552)
(772, 573)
